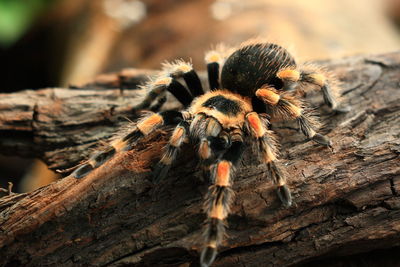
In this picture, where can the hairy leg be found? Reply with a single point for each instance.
(283, 106)
(219, 198)
(267, 147)
(144, 127)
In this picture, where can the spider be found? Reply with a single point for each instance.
(259, 83)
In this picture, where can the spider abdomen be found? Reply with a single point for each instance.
(255, 65)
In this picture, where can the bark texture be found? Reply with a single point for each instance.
(346, 201)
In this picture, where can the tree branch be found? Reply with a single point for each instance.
(346, 201)
(60, 124)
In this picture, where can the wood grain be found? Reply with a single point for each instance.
(346, 201)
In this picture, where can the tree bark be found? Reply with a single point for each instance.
(346, 200)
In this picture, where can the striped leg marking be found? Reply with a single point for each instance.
(167, 81)
(286, 107)
(101, 157)
(289, 78)
(171, 151)
(213, 129)
(192, 80)
(181, 69)
(267, 147)
(210, 149)
(143, 128)
(156, 89)
(211, 144)
(160, 102)
(218, 201)
(213, 60)
(276, 173)
(321, 81)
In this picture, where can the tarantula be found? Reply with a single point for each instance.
(259, 83)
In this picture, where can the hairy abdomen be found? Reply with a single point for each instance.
(253, 66)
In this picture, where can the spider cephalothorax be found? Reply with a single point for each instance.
(258, 81)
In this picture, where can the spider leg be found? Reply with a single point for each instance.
(157, 89)
(167, 80)
(192, 80)
(213, 60)
(213, 74)
(171, 151)
(182, 69)
(292, 78)
(219, 198)
(268, 148)
(212, 140)
(144, 127)
(160, 102)
(322, 81)
(210, 150)
(289, 77)
(201, 129)
(283, 106)
(213, 143)
(208, 137)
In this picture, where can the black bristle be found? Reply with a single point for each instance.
(328, 98)
(305, 126)
(160, 102)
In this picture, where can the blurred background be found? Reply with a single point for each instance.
(53, 43)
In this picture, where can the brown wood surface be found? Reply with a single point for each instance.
(346, 201)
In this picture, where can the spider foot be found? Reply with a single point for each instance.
(284, 195)
(322, 139)
(208, 256)
(341, 109)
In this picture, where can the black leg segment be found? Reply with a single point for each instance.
(171, 151)
(180, 92)
(213, 75)
(234, 152)
(171, 117)
(82, 171)
(193, 82)
(160, 102)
